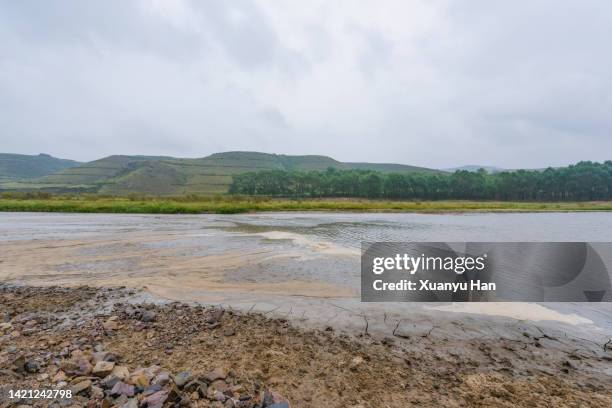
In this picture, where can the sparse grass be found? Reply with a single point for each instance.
(223, 204)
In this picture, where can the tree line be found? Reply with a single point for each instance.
(584, 181)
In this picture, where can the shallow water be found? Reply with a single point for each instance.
(293, 260)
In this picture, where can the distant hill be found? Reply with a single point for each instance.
(476, 167)
(23, 166)
(157, 175)
(489, 169)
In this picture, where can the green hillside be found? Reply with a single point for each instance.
(23, 166)
(155, 175)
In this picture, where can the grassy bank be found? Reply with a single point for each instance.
(232, 205)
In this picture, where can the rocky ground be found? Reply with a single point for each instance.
(113, 348)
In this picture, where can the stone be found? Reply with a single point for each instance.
(103, 356)
(155, 400)
(139, 379)
(119, 401)
(162, 378)
(214, 316)
(103, 368)
(110, 381)
(216, 374)
(111, 324)
(19, 364)
(31, 367)
(78, 379)
(152, 389)
(148, 316)
(122, 388)
(220, 385)
(97, 392)
(192, 385)
(81, 387)
(229, 332)
(203, 390)
(131, 403)
(5, 327)
(121, 372)
(182, 378)
(219, 396)
(355, 363)
(272, 399)
(84, 367)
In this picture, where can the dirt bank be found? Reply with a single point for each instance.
(113, 349)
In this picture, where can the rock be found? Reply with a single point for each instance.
(355, 363)
(216, 374)
(110, 381)
(121, 372)
(152, 389)
(162, 378)
(131, 403)
(97, 392)
(155, 400)
(148, 316)
(18, 364)
(103, 369)
(84, 367)
(202, 388)
(5, 327)
(121, 400)
(111, 323)
(31, 367)
(192, 385)
(229, 332)
(122, 388)
(139, 326)
(140, 380)
(219, 396)
(30, 323)
(182, 378)
(78, 379)
(103, 356)
(272, 399)
(214, 316)
(220, 385)
(81, 387)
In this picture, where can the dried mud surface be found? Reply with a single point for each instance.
(52, 337)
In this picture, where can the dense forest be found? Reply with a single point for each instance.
(585, 181)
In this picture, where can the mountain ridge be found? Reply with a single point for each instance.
(25, 166)
(165, 175)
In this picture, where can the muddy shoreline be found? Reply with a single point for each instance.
(52, 336)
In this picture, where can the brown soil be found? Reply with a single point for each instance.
(309, 368)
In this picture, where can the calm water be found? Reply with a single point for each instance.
(295, 261)
(341, 228)
(273, 247)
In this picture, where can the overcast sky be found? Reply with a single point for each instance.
(431, 83)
